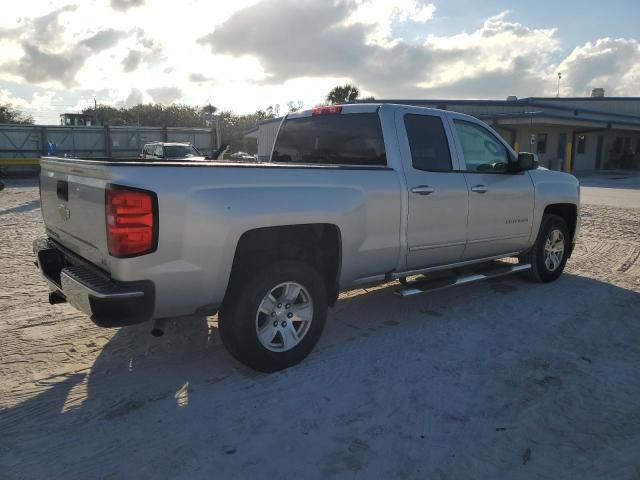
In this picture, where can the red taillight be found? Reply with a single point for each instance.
(131, 221)
(328, 110)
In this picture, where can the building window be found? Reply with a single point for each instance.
(582, 143)
(617, 145)
(627, 145)
(542, 143)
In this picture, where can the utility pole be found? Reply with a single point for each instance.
(95, 110)
(559, 78)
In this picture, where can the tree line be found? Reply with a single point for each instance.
(232, 125)
(10, 114)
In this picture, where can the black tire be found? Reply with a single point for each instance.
(540, 272)
(237, 318)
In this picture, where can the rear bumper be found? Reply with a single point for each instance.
(108, 302)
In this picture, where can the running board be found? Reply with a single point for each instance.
(419, 287)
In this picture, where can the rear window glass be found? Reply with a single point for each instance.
(343, 139)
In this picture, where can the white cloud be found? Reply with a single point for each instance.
(40, 105)
(134, 98)
(613, 64)
(383, 14)
(124, 5)
(499, 48)
(258, 53)
(165, 95)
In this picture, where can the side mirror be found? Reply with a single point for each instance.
(525, 161)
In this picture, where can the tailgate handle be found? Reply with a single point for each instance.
(62, 190)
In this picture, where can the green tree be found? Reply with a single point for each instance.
(343, 94)
(106, 114)
(233, 127)
(295, 106)
(10, 114)
(151, 115)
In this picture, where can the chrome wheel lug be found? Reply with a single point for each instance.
(289, 315)
(287, 306)
(275, 324)
(283, 324)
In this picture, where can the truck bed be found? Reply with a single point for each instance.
(205, 207)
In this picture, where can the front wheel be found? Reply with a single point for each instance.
(549, 254)
(273, 319)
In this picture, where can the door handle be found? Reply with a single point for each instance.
(479, 188)
(423, 190)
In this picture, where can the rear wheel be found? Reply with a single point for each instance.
(273, 319)
(549, 254)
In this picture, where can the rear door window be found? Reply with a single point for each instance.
(428, 143)
(341, 139)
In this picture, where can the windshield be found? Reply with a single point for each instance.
(181, 151)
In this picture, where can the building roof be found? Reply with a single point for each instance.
(540, 106)
(264, 122)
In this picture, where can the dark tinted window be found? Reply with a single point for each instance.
(180, 151)
(428, 143)
(341, 139)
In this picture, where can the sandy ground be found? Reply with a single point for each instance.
(507, 379)
(616, 189)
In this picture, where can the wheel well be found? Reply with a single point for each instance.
(568, 211)
(319, 244)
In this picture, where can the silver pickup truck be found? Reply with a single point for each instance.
(352, 195)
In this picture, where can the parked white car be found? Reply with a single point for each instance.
(170, 151)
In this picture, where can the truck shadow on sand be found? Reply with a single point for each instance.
(25, 207)
(183, 405)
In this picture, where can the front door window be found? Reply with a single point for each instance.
(482, 151)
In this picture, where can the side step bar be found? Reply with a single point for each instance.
(419, 287)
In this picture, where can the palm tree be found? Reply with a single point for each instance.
(343, 94)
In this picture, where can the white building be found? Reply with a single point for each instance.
(594, 133)
(265, 134)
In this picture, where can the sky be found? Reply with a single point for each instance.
(58, 55)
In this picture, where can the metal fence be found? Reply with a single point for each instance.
(22, 145)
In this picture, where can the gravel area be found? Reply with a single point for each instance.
(504, 379)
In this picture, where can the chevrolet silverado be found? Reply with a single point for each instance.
(353, 195)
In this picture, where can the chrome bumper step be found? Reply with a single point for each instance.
(430, 285)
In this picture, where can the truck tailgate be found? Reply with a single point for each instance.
(73, 207)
